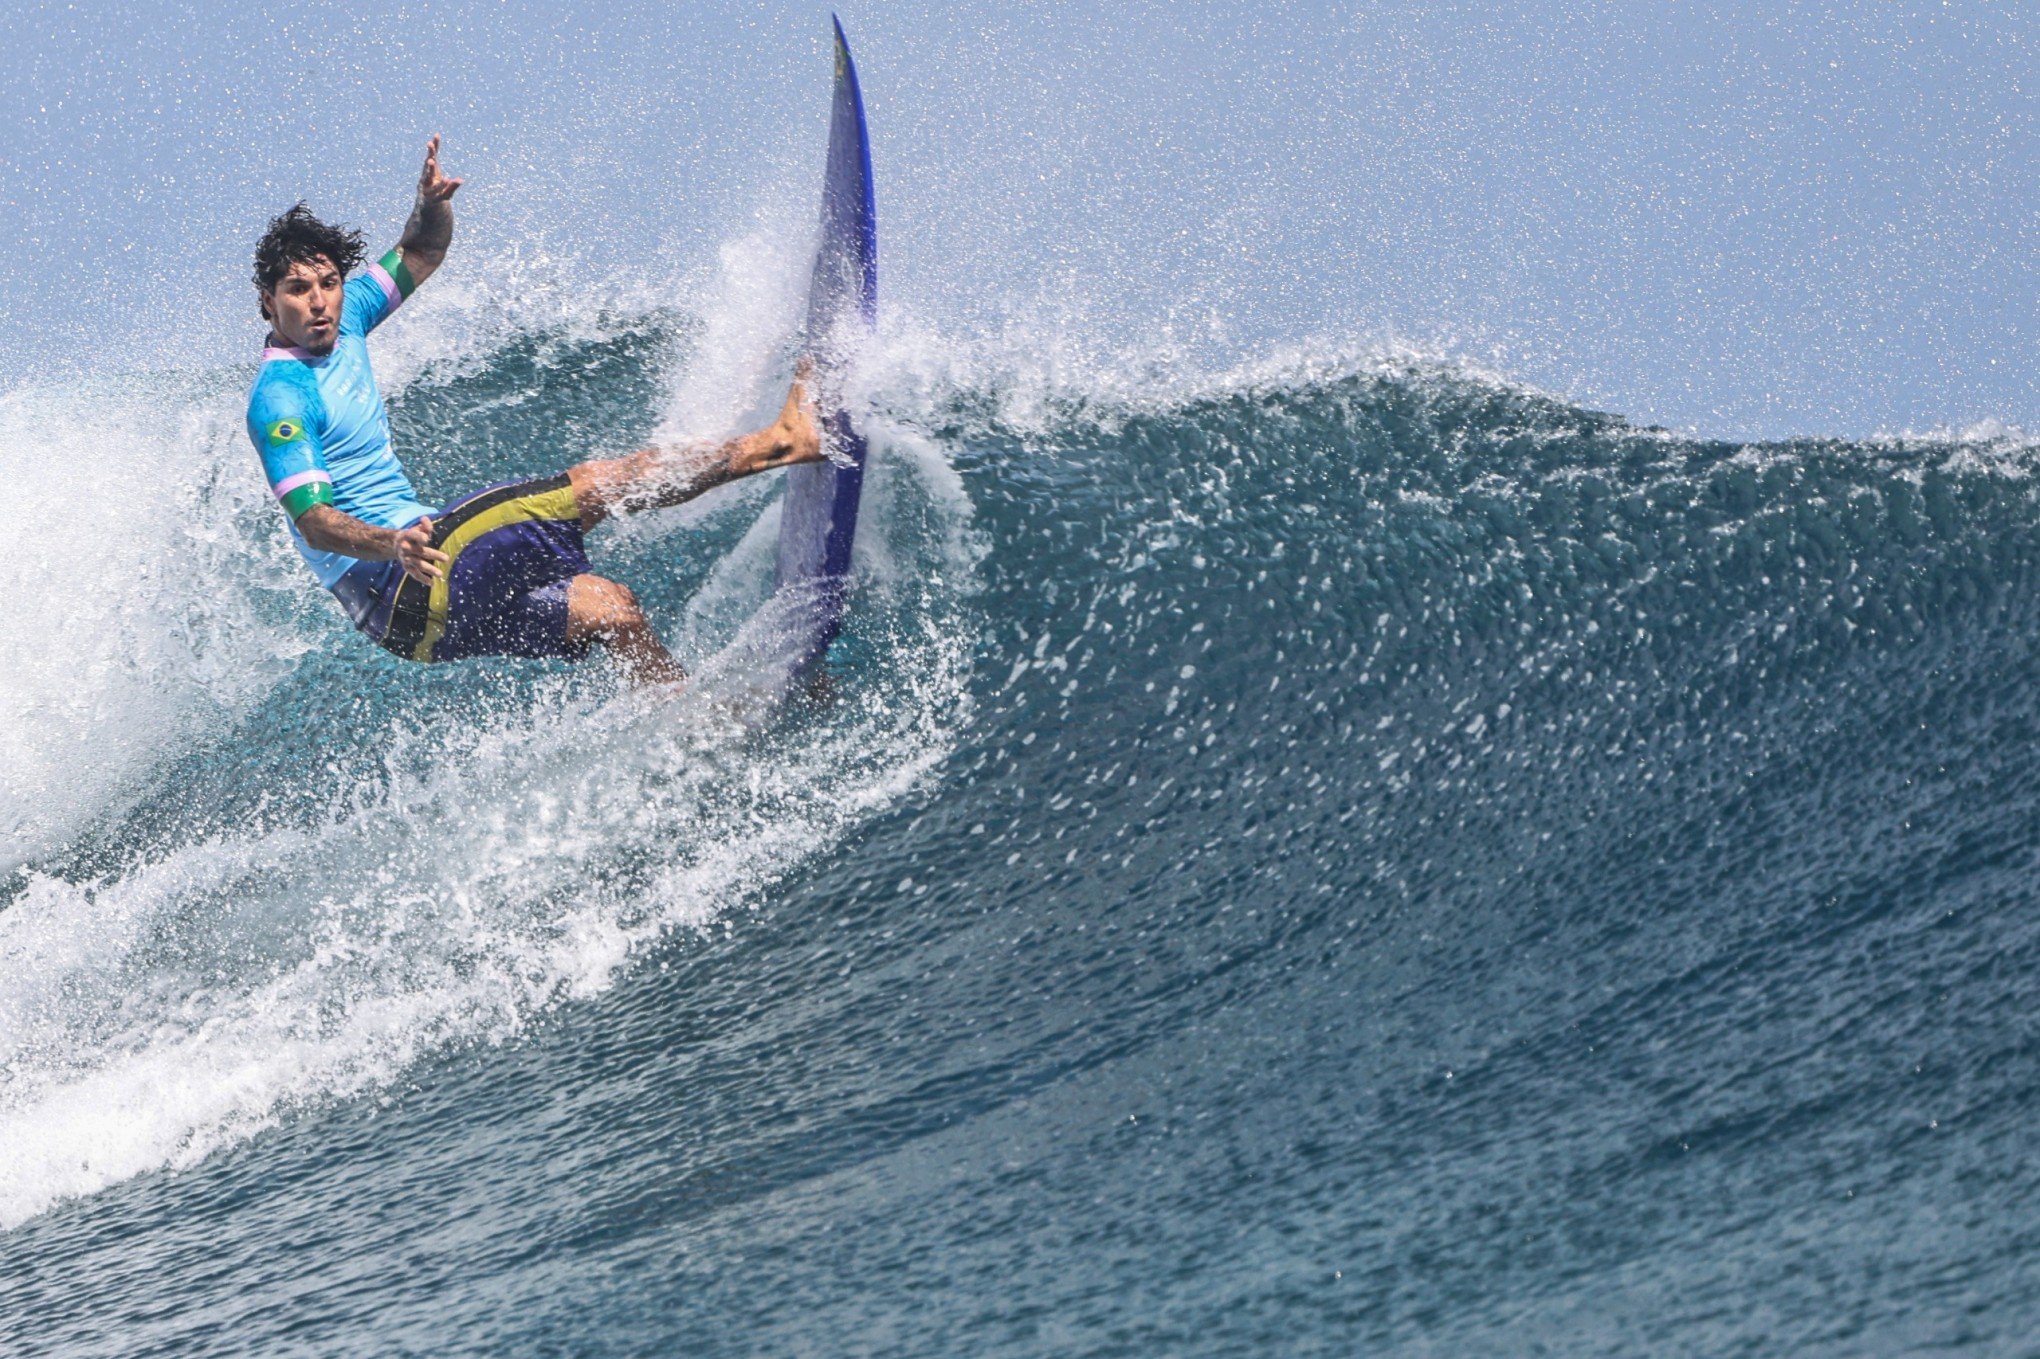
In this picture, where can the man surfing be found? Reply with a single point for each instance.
(502, 572)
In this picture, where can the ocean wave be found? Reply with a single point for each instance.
(1366, 604)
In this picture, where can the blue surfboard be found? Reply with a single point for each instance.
(818, 517)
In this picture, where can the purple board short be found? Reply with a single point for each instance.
(514, 547)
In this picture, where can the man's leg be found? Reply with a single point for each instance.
(659, 477)
(602, 611)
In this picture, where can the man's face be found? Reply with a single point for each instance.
(304, 306)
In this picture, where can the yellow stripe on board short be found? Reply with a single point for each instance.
(558, 504)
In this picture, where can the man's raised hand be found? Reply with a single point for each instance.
(433, 186)
(430, 230)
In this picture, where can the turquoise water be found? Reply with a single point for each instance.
(1337, 855)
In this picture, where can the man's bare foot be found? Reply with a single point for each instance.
(655, 478)
(795, 436)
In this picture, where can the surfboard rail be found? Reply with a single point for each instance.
(818, 515)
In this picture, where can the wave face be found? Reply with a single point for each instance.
(1339, 855)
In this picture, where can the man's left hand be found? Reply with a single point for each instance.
(434, 186)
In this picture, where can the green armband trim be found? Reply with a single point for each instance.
(400, 273)
(301, 498)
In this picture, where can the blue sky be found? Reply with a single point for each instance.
(1741, 218)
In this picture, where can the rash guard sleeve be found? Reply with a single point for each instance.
(374, 293)
(283, 422)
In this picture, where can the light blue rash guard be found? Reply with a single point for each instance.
(319, 424)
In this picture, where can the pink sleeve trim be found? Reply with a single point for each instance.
(387, 284)
(291, 483)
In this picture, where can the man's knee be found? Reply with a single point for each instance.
(603, 607)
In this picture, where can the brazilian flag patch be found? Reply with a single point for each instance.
(285, 432)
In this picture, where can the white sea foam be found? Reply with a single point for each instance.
(1040, 370)
(130, 630)
(750, 311)
(156, 1017)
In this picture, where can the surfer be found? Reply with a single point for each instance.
(502, 571)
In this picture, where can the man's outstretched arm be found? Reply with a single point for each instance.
(430, 230)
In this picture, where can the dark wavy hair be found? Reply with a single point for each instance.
(297, 237)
